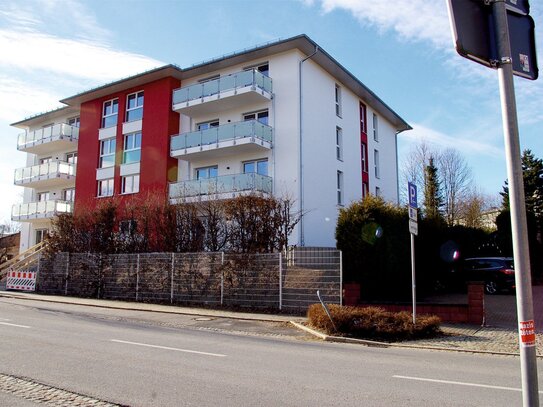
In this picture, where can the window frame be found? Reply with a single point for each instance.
(76, 121)
(133, 148)
(377, 171)
(256, 117)
(364, 156)
(339, 143)
(112, 141)
(210, 124)
(71, 157)
(207, 168)
(44, 194)
(337, 98)
(255, 162)
(375, 120)
(339, 186)
(137, 107)
(109, 189)
(106, 116)
(65, 192)
(135, 186)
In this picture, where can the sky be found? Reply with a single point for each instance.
(400, 49)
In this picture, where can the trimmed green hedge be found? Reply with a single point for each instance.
(372, 323)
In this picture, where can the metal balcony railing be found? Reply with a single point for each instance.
(224, 83)
(47, 134)
(227, 132)
(251, 182)
(53, 169)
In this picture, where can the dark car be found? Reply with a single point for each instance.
(498, 273)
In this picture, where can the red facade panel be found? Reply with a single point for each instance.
(364, 149)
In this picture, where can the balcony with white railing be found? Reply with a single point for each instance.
(51, 174)
(248, 136)
(221, 187)
(224, 93)
(27, 212)
(49, 139)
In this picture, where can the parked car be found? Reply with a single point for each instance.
(498, 273)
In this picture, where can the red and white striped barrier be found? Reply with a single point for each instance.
(21, 280)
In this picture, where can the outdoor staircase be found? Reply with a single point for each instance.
(25, 261)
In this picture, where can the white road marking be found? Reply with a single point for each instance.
(168, 348)
(18, 326)
(487, 386)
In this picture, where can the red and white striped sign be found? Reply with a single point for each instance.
(21, 280)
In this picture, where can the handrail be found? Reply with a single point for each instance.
(22, 256)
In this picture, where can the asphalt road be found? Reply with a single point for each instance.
(146, 359)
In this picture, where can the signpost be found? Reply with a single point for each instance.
(414, 231)
(508, 33)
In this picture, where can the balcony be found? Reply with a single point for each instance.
(49, 139)
(248, 136)
(48, 175)
(224, 93)
(27, 212)
(221, 187)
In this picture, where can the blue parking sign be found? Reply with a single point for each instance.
(412, 193)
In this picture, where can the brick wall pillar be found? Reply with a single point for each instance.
(476, 303)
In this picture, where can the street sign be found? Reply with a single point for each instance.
(413, 213)
(413, 227)
(475, 34)
(412, 194)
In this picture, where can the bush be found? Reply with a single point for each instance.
(372, 323)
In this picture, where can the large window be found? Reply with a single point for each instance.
(68, 194)
(45, 160)
(74, 121)
(338, 100)
(110, 112)
(105, 187)
(261, 116)
(207, 125)
(339, 143)
(130, 184)
(364, 155)
(134, 106)
(41, 234)
(376, 163)
(375, 127)
(207, 172)
(365, 189)
(71, 158)
(132, 148)
(363, 118)
(107, 153)
(264, 69)
(42, 196)
(340, 188)
(258, 166)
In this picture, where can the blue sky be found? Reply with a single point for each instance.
(401, 49)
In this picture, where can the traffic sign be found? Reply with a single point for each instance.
(475, 34)
(413, 227)
(413, 213)
(412, 194)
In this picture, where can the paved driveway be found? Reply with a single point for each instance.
(501, 310)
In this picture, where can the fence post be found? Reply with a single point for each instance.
(222, 278)
(137, 277)
(340, 277)
(36, 287)
(67, 273)
(171, 282)
(280, 281)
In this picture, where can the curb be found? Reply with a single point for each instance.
(376, 344)
(194, 312)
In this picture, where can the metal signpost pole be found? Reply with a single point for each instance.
(525, 311)
(413, 284)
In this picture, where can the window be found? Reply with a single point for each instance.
(365, 189)
(377, 191)
(71, 158)
(110, 112)
(261, 116)
(41, 234)
(130, 184)
(207, 125)
(45, 160)
(258, 166)
(128, 227)
(132, 148)
(134, 106)
(340, 188)
(264, 69)
(338, 100)
(68, 194)
(363, 118)
(107, 153)
(74, 121)
(364, 155)
(105, 187)
(376, 162)
(339, 144)
(42, 196)
(207, 172)
(375, 127)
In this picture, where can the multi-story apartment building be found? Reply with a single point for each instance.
(283, 119)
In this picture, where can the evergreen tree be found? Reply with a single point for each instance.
(532, 174)
(433, 199)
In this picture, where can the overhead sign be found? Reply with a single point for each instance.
(475, 38)
(413, 227)
(412, 194)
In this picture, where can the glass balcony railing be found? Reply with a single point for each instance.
(40, 210)
(47, 134)
(222, 184)
(223, 84)
(214, 135)
(48, 170)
